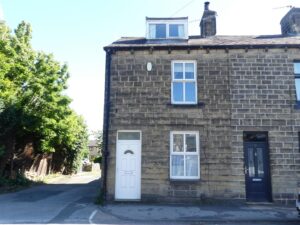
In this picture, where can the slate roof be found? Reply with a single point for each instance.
(213, 42)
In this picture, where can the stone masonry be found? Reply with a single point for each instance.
(238, 90)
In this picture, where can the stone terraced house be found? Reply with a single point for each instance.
(189, 118)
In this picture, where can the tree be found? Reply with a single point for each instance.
(32, 104)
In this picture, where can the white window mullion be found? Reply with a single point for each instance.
(183, 81)
(184, 157)
(167, 30)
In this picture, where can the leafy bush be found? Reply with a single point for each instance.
(98, 159)
(99, 199)
(20, 181)
(3, 182)
(8, 185)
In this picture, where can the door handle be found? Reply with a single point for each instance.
(246, 170)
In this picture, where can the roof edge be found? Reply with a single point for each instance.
(197, 47)
(167, 18)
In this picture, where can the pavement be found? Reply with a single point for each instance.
(70, 200)
(135, 213)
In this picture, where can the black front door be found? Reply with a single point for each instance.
(257, 169)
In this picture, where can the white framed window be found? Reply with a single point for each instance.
(297, 79)
(184, 155)
(167, 28)
(184, 82)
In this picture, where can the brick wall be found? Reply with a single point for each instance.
(237, 90)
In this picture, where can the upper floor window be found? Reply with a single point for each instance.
(163, 28)
(184, 82)
(297, 79)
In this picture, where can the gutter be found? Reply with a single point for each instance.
(105, 151)
(196, 47)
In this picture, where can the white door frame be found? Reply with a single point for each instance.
(138, 166)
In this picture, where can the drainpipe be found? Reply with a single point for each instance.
(106, 121)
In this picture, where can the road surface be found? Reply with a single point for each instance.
(68, 200)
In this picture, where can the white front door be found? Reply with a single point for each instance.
(128, 166)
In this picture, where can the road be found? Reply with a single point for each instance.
(68, 200)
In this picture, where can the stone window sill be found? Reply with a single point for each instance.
(198, 105)
(184, 180)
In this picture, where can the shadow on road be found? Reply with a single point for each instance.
(69, 200)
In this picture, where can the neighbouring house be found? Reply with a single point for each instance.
(194, 117)
(94, 150)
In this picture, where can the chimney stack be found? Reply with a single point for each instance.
(290, 23)
(208, 25)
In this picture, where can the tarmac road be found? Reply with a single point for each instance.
(68, 200)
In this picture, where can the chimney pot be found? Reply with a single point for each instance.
(206, 5)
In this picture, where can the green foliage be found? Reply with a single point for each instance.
(99, 199)
(14, 184)
(20, 181)
(33, 103)
(2, 150)
(98, 135)
(75, 143)
(98, 159)
(99, 138)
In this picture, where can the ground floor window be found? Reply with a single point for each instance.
(184, 155)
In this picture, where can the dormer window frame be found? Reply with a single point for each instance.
(167, 22)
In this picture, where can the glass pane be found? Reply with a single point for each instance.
(297, 68)
(177, 165)
(192, 165)
(173, 30)
(177, 142)
(160, 30)
(189, 71)
(181, 30)
(152, 30)
(178, 92)
(129, 136)
(297, 83)
(178, 70)
(260, 163)
(176, 30)
(190, 92)
(190, 140)
(253, 136)
(251, 162)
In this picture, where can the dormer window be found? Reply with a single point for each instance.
(167, 28)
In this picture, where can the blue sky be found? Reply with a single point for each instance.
(76, 31)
